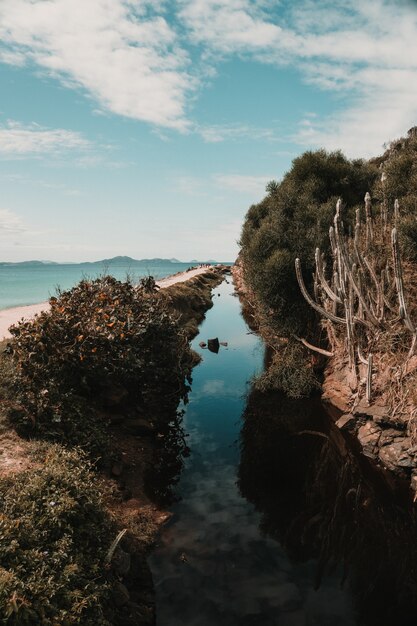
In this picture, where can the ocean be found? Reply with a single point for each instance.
(22, 284)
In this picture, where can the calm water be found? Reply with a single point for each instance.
(280, 522)
(30, 284)
(215, 565)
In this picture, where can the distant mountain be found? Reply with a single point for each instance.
(31, 263)
(114, 261)
(127, 260)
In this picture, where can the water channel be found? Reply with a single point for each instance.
(279, 521)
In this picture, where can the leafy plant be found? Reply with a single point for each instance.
(102, 343)
(54, 535)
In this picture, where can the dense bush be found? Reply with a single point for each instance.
(101, 342)
(54, 537)
(399, 164)
(292, 220)
(290, 371)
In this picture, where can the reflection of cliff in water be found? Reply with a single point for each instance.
(320, 500)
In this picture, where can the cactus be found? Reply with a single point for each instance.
(363, 287)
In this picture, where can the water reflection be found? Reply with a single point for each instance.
(215, 565)
(321, 501)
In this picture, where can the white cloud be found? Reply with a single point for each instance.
(121, 52)
(223, 132)
(365, 51)
(243, 184)
(10, 223)
(133, 62)
(18, 140)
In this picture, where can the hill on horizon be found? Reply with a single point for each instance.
(114, 261)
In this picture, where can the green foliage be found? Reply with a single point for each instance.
(54, 536)
(408, 237)
(290, 371)
(292, 220)
(102, 341)
(399, 164)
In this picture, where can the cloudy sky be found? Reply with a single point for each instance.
(148, 127)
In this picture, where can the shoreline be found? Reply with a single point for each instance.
(11, 316)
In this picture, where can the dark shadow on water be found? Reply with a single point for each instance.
(169, 451)
(293, 527)
(321, 500)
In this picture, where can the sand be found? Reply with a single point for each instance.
(8, 317)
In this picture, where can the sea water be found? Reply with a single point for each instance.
(22, 284)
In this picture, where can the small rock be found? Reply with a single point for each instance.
(202, 344)
(368, 436)
(390, 435)
(396, 455)
(346, 422)
(213, 345)
(224, 343)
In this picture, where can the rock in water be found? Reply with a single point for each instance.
(202, 344)
(213, 345)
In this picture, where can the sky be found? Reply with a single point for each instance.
(148, 127)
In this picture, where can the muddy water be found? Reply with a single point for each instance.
(279, 522)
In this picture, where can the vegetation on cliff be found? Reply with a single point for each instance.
(293, 220)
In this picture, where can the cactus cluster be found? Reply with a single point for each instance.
(359, 288)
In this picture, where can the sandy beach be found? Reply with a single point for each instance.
(8, 317)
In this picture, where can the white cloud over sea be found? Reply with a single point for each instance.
(147, 60)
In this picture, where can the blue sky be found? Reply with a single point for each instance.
(147, 128)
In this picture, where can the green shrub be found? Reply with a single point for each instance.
(408, 237)
(292, 220)
(290, 371)
(54, 536)
(101, 342)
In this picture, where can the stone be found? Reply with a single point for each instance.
(396, 455)
(224, 343)
(213, 345)
(368, 436)
(346, 422)
(202, 344)
(413, 484)
(390, 435)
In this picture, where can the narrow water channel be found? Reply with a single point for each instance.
(276, 523)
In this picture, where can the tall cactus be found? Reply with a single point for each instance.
(363, 287)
